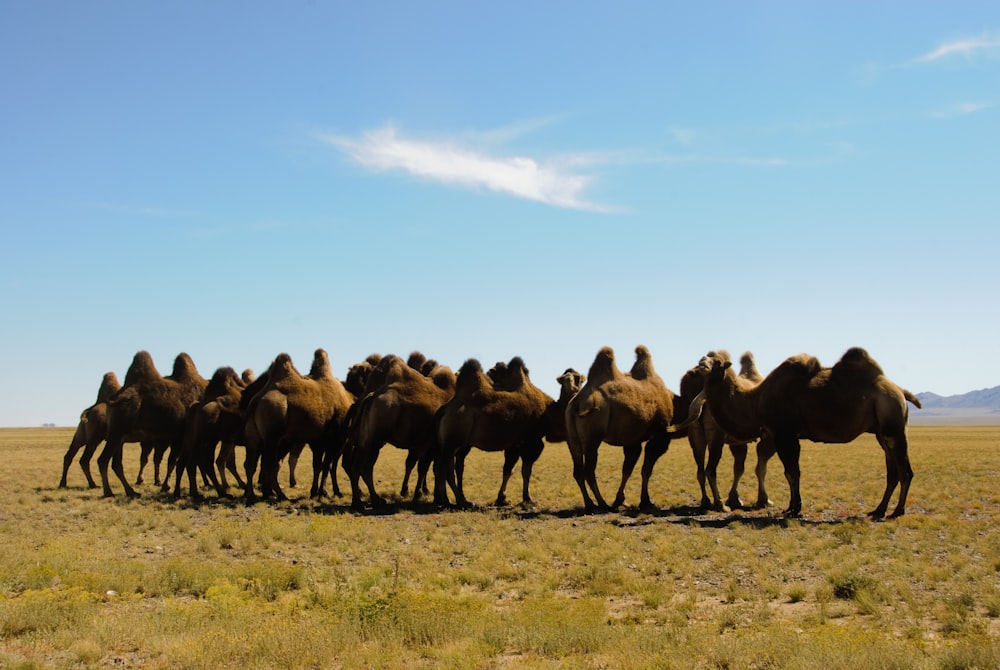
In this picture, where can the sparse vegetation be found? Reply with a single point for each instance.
(88, 582)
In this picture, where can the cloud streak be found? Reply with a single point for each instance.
(963, 47)
(551, 183)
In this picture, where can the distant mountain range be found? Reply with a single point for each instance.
(974, 407)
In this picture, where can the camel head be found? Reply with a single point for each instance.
(357, 378)
(571, 381)
(498, 373)
(248, 377)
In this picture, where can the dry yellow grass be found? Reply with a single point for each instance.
(91, 582)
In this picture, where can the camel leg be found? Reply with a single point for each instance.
(789, 448)
(898, 471)
(145, 451)
(696, 438)
(655, 448)
(712, 470)
(529, 455)
(158, 452)
(320, 459)
(765, 449)
(631, 454)
(739, 452)
(579, 467)
(423, 465)
(510, 458)
(293, 461)
(590, 474)
(78, 441)
(411, 462)
(368, 473)
(88, 453)
(119, 470)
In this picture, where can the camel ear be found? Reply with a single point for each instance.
(727, 365)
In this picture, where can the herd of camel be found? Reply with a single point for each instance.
(438, 416)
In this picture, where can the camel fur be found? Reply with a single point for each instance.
(625, 410)
(148, 408)
(399, 409)
(801, 399)
(505, 413)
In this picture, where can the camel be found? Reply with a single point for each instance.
(91, 430)
(801, 399)
(706, 435)
(213, 419)
(623, 410)
(148, 408)
(399, 409)
(506, 414)
(294, 409)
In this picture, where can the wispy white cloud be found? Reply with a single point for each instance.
(552, 182)
(961, 109)
(962, 47)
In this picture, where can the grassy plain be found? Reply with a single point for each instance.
(87, 582)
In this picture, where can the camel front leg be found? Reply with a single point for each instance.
(630, 454)
(789, 448)
(655, 448)
(529, 454)
(712, 471)
(739, 452)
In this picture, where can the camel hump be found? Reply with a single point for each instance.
(642, 369)
(443, 377)
(857, 366)
(469, 378)
(282, 369)
(748, 368)
(141, 370)
(416, 360)
(223, 380)
(320, 368)
(802, 364)
(184, 369)
(248, 376)
(603, 369)
(109, 386)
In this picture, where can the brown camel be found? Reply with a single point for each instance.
(91, 430)
(148, 408)
(623, 410)
(294, 409)
(705, 434)
(570, 382)
(503, 415)
(399, 411)
(801, 399)
(213, 419)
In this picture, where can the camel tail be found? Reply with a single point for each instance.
(912, 398)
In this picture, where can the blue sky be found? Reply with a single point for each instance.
(238, 179)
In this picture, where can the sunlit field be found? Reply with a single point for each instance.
(88, 582)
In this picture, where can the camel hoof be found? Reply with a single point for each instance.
(734, 503)
(133, 494)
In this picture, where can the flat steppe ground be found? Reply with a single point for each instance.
(89, 582)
